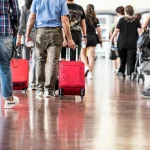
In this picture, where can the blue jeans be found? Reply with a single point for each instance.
(5, 72)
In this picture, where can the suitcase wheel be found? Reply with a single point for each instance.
(61, 93)
(25, 90)
(82, 93)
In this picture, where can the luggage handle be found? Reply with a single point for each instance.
(68, 53)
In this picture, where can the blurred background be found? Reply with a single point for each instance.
(106, 14)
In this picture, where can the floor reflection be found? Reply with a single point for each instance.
(112, 116)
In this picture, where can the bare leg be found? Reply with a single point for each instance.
(83, 56)
(114, 65)
(118, 62)
(91, 54)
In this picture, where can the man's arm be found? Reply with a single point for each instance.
(114, 34)
(22, 27)
(30, 23)
(83, 27)
(66, 27)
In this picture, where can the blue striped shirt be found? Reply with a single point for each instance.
(5, 24)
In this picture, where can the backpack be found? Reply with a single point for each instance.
(144, 39)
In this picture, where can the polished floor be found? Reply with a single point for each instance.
(112, 116)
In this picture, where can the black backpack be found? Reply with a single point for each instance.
(144, 39)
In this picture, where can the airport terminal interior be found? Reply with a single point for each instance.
(112, 115)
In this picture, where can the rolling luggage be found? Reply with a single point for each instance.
(71, 76)
(20, 73)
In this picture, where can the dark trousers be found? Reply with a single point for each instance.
(128, 57)
(77, 38)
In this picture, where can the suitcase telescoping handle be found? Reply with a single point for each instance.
(68, 53)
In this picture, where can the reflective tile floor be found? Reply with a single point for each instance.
(112, 116)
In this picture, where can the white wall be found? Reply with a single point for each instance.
(109, 4)
(112, 4)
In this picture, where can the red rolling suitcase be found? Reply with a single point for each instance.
(20, 73)
(71, 77)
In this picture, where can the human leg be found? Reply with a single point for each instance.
(5, 72)
(42, 40)
(83, 56)
(53, 54)
(123, 57)
(91, 51)
(131, 59)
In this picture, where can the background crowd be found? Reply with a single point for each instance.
(52, 26)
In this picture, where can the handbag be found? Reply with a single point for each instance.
(112, 55)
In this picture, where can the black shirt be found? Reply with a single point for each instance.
(91, 28)
(128, 32)
(76, 14)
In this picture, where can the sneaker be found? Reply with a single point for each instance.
(146, 93)
(33, 86)
(10, 104)
(49, 94)
(39, 93)
(121, 74)
(90, 76)
(86, 71)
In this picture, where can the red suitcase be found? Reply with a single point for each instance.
(20, 73)
(71, 77)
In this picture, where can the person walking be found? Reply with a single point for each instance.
(25, 12)
(77, 27)
(116, 63)
(6, 47)
(129, 28)
(49, 17)
(92, 24)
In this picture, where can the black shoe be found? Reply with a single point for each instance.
(146, 93)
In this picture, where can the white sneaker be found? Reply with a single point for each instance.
(90, 76)
(39, 93)
(10, 104)
(114, 70)
(33, 86)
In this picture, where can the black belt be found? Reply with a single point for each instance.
(49, 28)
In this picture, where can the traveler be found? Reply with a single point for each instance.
(6, 47)
(116, 63)
(25, 12)
(129, 27)
(49, 17)
(77, 27)
(92, 24)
